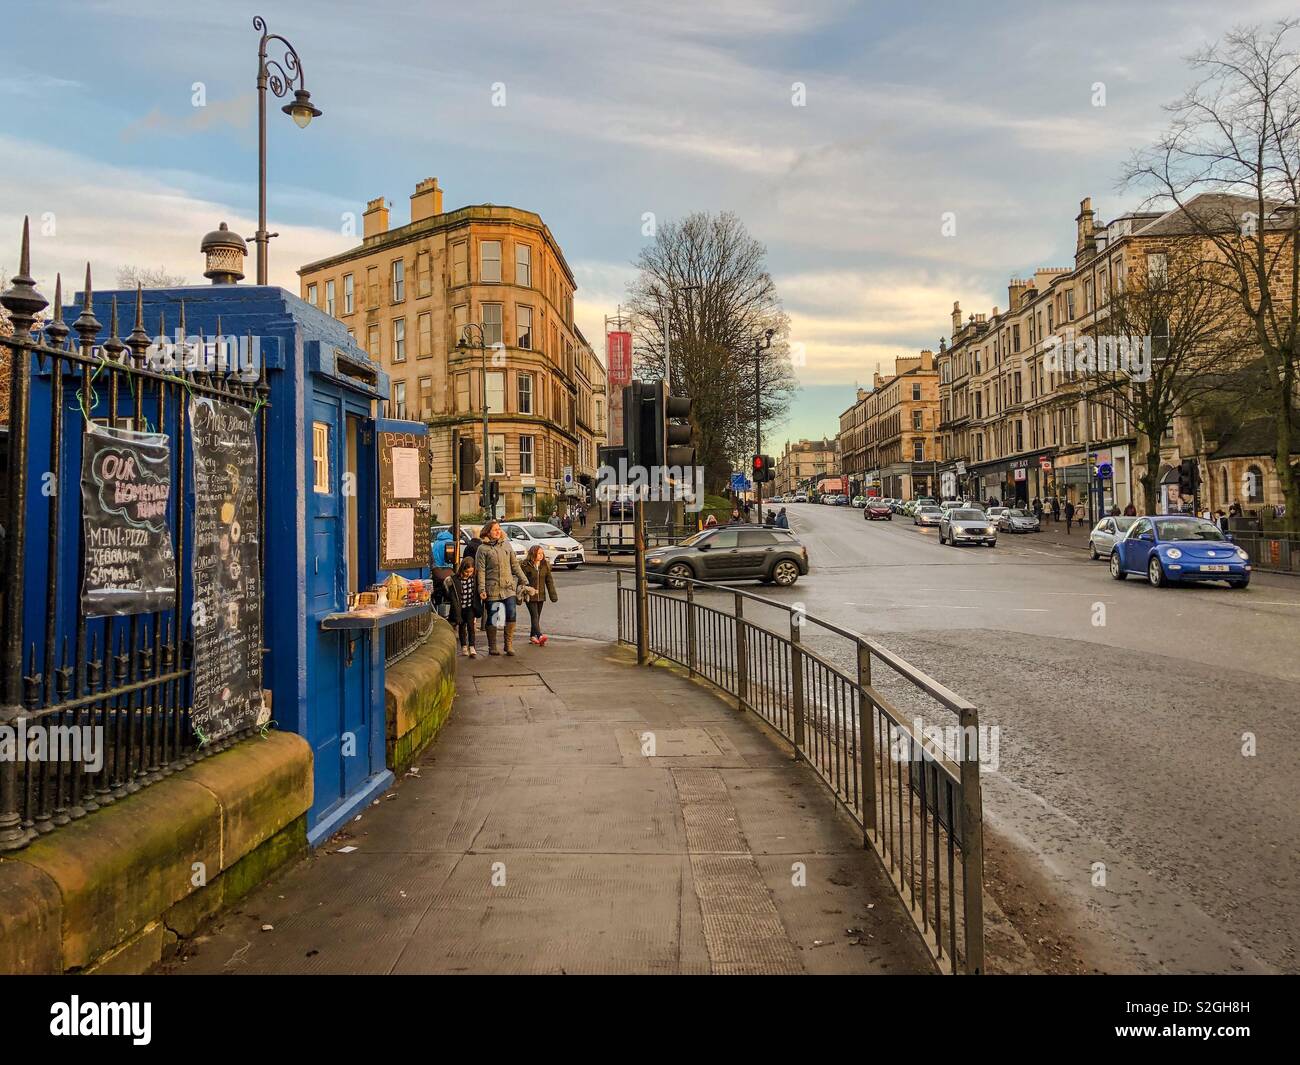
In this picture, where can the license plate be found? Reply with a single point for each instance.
(1215, 569)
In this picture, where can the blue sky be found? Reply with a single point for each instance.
(611, 110)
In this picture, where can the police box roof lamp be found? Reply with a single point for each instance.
(225, 252)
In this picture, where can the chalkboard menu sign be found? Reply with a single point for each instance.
(125, 487)
(403, 501)
(227, 570)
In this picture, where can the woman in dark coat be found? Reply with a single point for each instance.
(537, 573)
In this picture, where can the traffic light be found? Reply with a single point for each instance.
(653, 429)
(494, 492)
(467, 464)
(762, 469)
(1189, 477)
(672, 414)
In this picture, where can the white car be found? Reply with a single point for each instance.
(1101, 541)
(800, 497)
(561, 549)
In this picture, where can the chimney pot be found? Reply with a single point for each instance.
(375, 220)
(426, 200)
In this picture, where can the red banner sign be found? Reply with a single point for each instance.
(618, 357)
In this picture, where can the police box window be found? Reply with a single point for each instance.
(320, 457)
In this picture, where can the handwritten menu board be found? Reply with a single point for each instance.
(227, 570)
(403, 501)
(125, 487)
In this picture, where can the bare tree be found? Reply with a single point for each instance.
(1179, 323)
(705, 278)
(1230, 164)
(148, 277)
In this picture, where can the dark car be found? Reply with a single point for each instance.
(878, 510)
(732, 552)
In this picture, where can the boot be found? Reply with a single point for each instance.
(510, 635)
(492, 640)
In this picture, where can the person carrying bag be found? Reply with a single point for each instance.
(537, 575)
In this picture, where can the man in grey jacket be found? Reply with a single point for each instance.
(499, 574)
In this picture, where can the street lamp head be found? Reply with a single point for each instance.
(301, 110)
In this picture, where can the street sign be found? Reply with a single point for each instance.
(1103, 471)
(568, 476)
(740, 483)
(961, 468)
(1045, 463)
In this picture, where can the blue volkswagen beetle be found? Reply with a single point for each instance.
(1178, 548)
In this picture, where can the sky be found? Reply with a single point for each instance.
(892, 157)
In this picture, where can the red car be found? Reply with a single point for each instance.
(876, 509)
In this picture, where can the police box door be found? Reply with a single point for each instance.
(338, 662)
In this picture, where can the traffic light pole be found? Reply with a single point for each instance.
(455, 497)
(642, 594)
(758, 424)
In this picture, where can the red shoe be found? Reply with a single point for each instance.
(542, 640)
(534, 639)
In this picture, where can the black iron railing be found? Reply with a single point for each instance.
(612, 536)
(899, 750)
(1270, 552)
(406, 635)
(121, 685)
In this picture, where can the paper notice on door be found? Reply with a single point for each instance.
(399, 532)
(406, 473)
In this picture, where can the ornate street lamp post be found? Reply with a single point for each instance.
(474, 335)
(280, 75)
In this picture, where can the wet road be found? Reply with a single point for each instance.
(1148, 730)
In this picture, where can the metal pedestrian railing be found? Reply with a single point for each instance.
(899, 751)
(407, 635)
(612, 536)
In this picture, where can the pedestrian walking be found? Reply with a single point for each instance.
(1056, 509)
(476, 541)
(461, 592)
(711, 522)
(582, 517)
(735, 516)
(1069, 514)
(782, 520)
(566, 523)
(539, 584)
(499, 575)
(1130, 510)
(1038, 509)
(442, 567)
(769, 519)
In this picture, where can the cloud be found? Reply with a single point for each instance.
(237, 113)
(84, 211)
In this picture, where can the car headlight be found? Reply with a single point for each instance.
(989, 529)
(653, 560)
(1173, 552)
(1241, 554)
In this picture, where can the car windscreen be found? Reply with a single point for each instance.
(1183, 529)
(929, 510)
(966, 515)
(1124, 524)
(1018, 513)
(543, 532)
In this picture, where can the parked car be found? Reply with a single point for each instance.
(1017, 520)
(967, 525)
(878, 510)
(730, 552)
(927, 515)
(950, 504)
(1101, 541)
(926, 501)
(800, 497)
(859, 501)
(995, 513)
(1175, 548)
(561, 550)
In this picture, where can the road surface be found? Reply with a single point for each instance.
(1144, 815)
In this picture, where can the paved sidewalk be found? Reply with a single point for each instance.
(535, 836)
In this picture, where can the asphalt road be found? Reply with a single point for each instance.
(1145, 729)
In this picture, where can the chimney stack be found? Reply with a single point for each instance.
(375, 220)
(1087, 242)
(426, 200)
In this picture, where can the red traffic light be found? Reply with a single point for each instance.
(758, 463)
